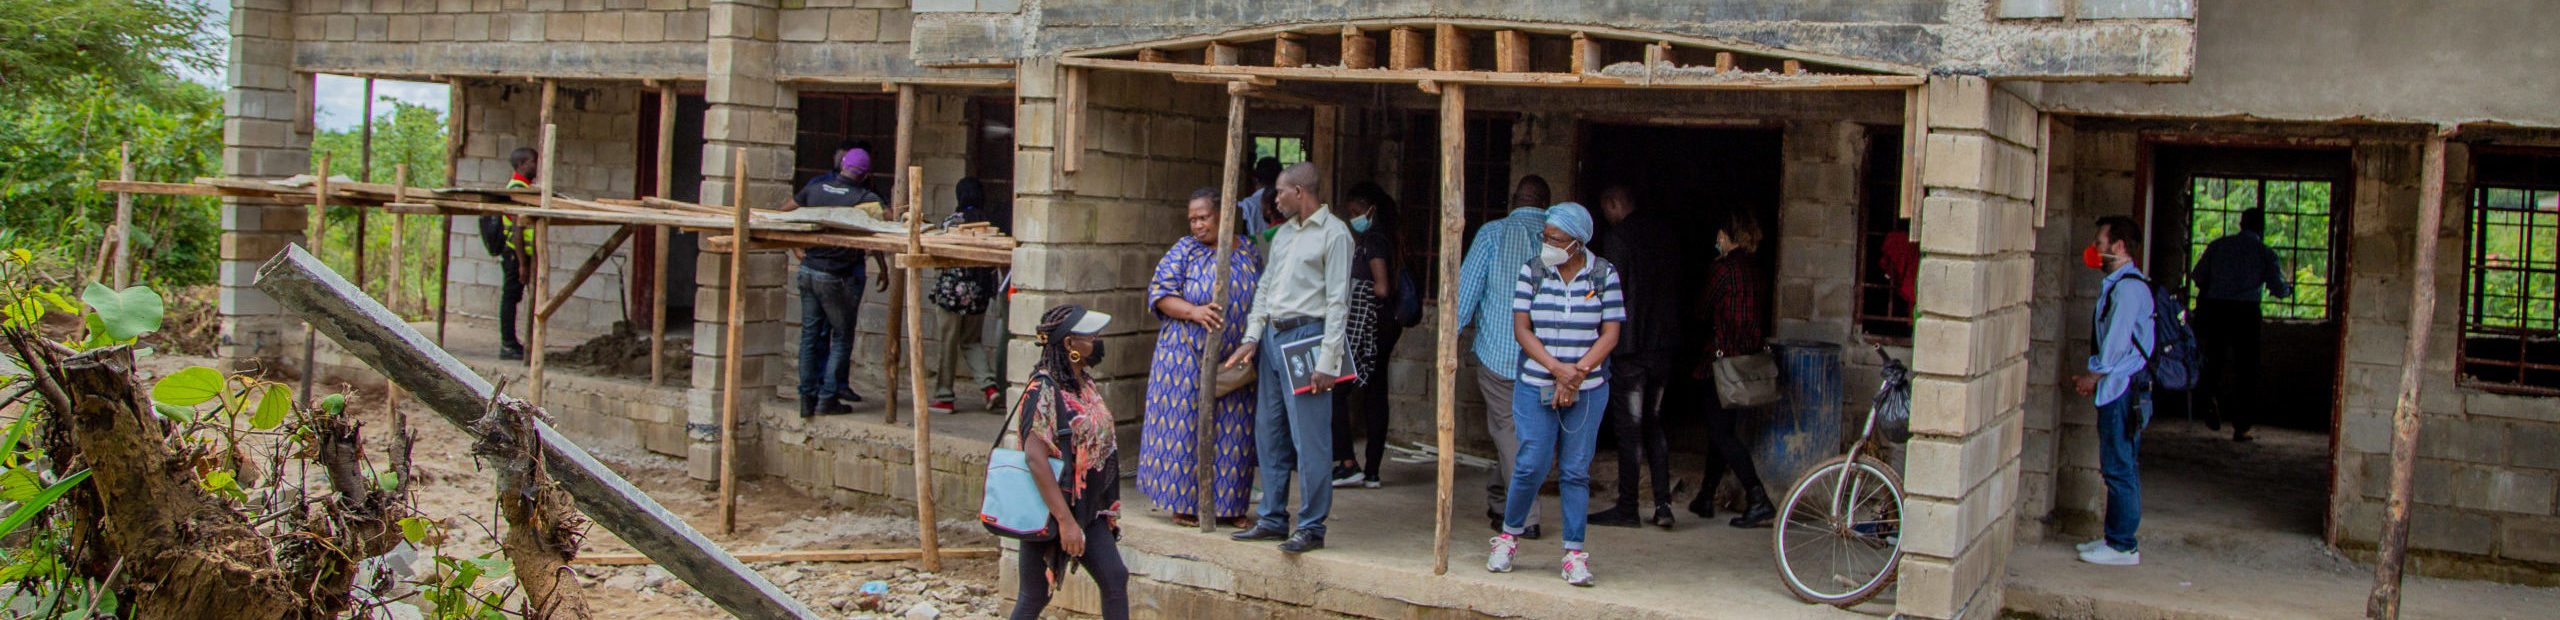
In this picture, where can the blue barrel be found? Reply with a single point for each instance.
(1803, 430)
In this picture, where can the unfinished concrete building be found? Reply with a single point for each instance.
(2000, 128)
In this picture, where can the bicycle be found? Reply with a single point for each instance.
(1838, 539)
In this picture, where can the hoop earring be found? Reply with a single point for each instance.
(1075, 357)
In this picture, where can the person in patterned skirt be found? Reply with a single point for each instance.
(1180, 297)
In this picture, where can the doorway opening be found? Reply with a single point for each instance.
(683, 248)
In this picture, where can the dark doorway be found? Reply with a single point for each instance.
(682, 247)
(2199, 194)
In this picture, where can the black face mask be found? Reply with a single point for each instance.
(1094, 358)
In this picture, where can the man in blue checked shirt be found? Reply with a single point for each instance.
(1485, 279)
(2123, 341)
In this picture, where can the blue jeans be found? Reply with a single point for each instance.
(1292, 433)
(2120, 425)
(1565, 437)
(827, 306)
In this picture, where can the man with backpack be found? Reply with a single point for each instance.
(512, 244)
(2120, 378)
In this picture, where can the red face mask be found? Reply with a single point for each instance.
(2092, 258)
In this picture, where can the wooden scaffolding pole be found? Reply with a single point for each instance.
(927, 537)
(124, 218)
(1204, 419)
(364, 174)
(730, 343)
(658, 269)
(455, 131)
(318, 235)
(391, 389)
(2385, 601)
(905, 151)
(1453, 156)
(540, 279)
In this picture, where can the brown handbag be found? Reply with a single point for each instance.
(1237, 378)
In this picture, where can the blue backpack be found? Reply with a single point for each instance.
(2172, 363)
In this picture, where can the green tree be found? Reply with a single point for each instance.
(410, 134)
(45, 44)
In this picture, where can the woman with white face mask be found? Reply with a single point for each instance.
(1565, 311)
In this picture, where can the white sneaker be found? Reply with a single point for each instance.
(1349, 480)
(2091, 545)
(1500, 559)
(2109, 556)
(1577, 568)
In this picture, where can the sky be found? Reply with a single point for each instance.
(340, 98)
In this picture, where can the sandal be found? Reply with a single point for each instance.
(1185, 520)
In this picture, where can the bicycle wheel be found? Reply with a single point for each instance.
(1839, 533)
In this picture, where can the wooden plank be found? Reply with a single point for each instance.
(165, 189)
(1449, 48)
(667, 110)
(2384, 603)
(1915, 143)
(929, 261)
(890, 84)
(1070, 126)
(1359, 50)
(927, 534)
(1724, 62)
(368, 331)
(124, 217)
(1510, 51)
(317, 239)
(1153, 55)
(1731, 81)
(732, 346)
(1325, 125)
(1453, 156)
(1288, 49)
(783, 240)
(1404, 49)
(1614, 33)
(552, 301)
(842, 555)
(1222, 54)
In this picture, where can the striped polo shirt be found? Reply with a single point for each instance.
(1566, 316)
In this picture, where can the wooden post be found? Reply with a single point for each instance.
(1510, 51)
(1204, 421)
(1324, 120)
(1289, 49)
(1221, 53)
(1450, 49)
(540, 281)
(730, 364)
(1070, 125)
(124, 218)
(927, 538)
(2385, 602)
(1586, 56)
(658, 284)
(301, 284)
(364, 174)
(906, 131)
(317, 241)
(1724, 62)
(1915, 143)
(399, 238)
(1359, 51)
(1404, 48)
(455, 135)
(1453, 186)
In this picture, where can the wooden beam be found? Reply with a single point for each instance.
(1915, 143)
(890, 84)
(1405, 50)
(1324, 126)
(552, 301)
(399, 235)
(929, 261)
(1655, 56)
(298, 282)
(732, 346)
(1730, 81)
(456, 135)
(318, 241)
(843, 555)
(890, 330)
(1070, 125)
(1586, 55)
(1622, 34)
(550, 93)
(2385, 600)
(724, 242)
(1205, 403)
(364, 173)
(666, 185)
(1724, 62)
(1792, 67)
(306, 102)
(927, 533)
(1453, 193)
(1153, 55)
(124, 217)
(1359, 50)
(1449, 48)
(539, 282)
(1288, 49)
(1510, 51)
(1222, 54)
(2044, 164)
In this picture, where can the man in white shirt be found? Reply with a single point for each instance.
(1305, 292)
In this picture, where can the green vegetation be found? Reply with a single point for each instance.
(410, 134)
(2298, 229)
(2514, 278)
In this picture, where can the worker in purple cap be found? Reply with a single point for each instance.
(830, 283)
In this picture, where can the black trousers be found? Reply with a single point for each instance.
(511, 281)
(1635, 412)
(1101, 560)
(2228, 332)
(1371, 396)
(1730, 453)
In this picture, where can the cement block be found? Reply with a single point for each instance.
(2483, 488)
(2137, 9)
(945, 6)
(1958, 102)
(2446, 529)
(564, 27)
(2530, 539)
(805, 26)
(848, 25)
(2029, 9)
(2535, 445)
(2457, 439)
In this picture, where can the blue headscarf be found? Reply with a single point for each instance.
(1572, 219)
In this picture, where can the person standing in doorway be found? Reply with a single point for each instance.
(2122, 342)
(512, 244)
(1567, 310)
(2230, 276)
(1491, 266)
(1643, 249)
(1304, 293)
(1374, 332)
(1255, 206)
(1734, 293)
(970, 296)
(830, 283)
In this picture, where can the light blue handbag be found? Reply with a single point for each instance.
(1013, 507)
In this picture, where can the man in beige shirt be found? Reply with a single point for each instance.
(1305, 292)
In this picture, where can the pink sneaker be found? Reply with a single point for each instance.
(1577, 568)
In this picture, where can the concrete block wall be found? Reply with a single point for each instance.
(264, 134)
(1970, 349)
(942, 147)
(751, 115)
(586, 38)
(597, 156)
(2103, 160)
(1094, 236)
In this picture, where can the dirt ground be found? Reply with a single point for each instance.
(450, 486)
(624, 352)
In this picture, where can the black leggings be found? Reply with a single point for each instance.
(511, 281)
(1730, 452)
(1101, 560)
(1372, 397)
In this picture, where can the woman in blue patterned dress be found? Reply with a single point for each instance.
(1180, 297)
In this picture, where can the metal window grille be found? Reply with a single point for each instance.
(2511, 289)
(2298, 229)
